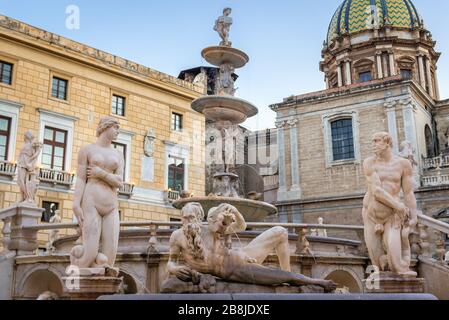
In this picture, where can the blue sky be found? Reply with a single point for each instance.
(283, 38)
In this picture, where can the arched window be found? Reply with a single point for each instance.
(429, 142)
(342, 139)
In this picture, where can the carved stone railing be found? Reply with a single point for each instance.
(55, 177)
(271, 180)
(437, 162)
(301, 230)
(127, 190)
(8, 169)
(438, 179)
(430, 242)
(170, 196)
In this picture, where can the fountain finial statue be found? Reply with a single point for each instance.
(223, 25)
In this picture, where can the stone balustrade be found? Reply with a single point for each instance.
(52, 178)
(301, 231)
(271, 181)
(435, 180)
(429, 240)
(8, 170)
(437, 162)
(127, 190)
(170, 196)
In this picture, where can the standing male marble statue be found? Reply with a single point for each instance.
(205, 253)
(27, 164)
(95, 204)
(223, 25)
(388, 220)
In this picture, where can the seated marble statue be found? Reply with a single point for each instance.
(204, 252)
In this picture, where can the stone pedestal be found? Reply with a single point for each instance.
(92, 283)
(176, 286)
(388, 282)
(22, 215)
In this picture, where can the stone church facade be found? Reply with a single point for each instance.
(380, 68)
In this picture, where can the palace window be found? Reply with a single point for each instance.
(365, 76)
(342, 140)
(53, 152)
(176, 169)
(50, 210)
(118, 105)
(6, 72)
(5, 131)
(122, 148)
(176, 121)
(59, 88)
(406, 74)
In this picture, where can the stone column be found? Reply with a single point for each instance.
(281, 150)
(408, 113)
(392, 64)
(422, 78)
(348, 72)
(326, 79)
(340, 76)
(295, 190)
(390, 108)
(437, 87)
(429, 76)
(380, 73)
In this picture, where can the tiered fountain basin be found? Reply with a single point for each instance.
(224, 108)
(252, 210)
(218, 55)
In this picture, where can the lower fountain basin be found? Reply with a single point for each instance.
(252, 211)
(224, 108)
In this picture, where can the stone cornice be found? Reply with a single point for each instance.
(21, 32)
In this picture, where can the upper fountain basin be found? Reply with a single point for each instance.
(218, 55)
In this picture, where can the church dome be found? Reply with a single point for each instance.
(354, 16)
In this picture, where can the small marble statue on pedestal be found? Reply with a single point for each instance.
(388, 220)
(223, 25)
(95, 205)
(53, 233)
(206, 255)
(26, 169)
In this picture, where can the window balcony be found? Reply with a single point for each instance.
(55, 178)
(7, 170)
(170, 196)
(126, 191)
(437, 162)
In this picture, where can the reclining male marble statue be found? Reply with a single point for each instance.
(206, 257)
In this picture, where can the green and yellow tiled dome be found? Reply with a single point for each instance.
(357, 15)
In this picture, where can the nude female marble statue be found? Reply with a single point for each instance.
(26, 168)
(387, 219)
(204, 252)
(95, 205)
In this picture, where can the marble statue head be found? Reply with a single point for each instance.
(227, 11)
(107, 123)
(192, 212)
(381, 141)
(219, 218)
(28, 136)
